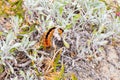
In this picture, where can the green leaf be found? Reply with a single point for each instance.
(31, 43)
(11, 68)
(56, 61)
(61, 74)
(22, 74)
(1, 68)
(68, 26)
(41, 47)
(12, 50)
(62, 71)
(76, 17)
(101, 29)
(10, 37)
(66, 44)
(61, 10)
(1, 33)
(16, 45)
(73, 77)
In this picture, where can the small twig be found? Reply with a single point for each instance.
(23, 64)
(56, 54)
(43, 53)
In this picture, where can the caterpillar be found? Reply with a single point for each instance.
(47, 37)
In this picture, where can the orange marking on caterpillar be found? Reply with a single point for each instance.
(47, 37)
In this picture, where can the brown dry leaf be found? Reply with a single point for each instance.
(51, 76)
(48, 65)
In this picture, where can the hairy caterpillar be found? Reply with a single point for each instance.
(47, 37)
